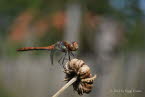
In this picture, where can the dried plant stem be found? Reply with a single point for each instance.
(65, 86)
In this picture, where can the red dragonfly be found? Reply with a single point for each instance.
(61, 46)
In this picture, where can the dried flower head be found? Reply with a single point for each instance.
(78, 68)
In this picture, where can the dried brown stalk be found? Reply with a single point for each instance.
(65, 86)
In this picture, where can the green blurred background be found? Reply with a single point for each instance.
(111, 37)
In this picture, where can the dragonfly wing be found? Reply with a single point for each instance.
(51, 56)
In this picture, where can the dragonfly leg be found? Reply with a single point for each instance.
(72, 54)
(59, 61)
(64, 58)
(69, 53)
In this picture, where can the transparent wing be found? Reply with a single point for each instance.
(51, 56)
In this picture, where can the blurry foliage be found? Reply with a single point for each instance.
(136, 38)
(4, 93)
(99, 7)
(128, 12)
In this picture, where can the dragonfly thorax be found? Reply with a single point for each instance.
(61, 46)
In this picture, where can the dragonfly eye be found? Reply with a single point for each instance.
(75, 45)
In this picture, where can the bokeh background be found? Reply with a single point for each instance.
(111, 37)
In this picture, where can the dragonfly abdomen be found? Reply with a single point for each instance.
(36, 48)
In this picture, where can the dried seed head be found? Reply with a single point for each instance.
(78, 68)
(84, 71)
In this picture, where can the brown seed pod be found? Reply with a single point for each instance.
(89, 80)
(78, 68)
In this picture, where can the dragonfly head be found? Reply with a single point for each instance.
(75, 46)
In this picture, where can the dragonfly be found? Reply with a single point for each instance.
(63, 46)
